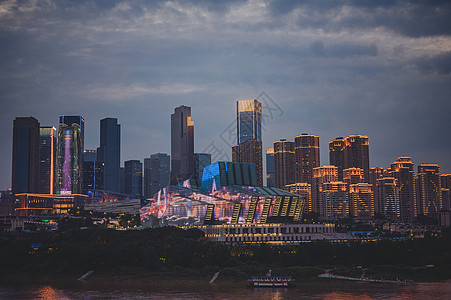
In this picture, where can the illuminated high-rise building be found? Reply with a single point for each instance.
(201, 160)
(133, 177)
(375, 174)
(428, 190)
(270, 167)
(69, 160)
(335, 201)
(109, 153)
(352, 175)
(403, 170)
(361, 198)
(182, 144)
(388, 197)
(306, 152)
(337, 155)
(356, 154)
(249, 120)
(250, 151)
(25, 163)
(445, 183)
(47, 160)
(284, 166)
(69, 120)
(156, 173)
(303, 189)
(322, 175)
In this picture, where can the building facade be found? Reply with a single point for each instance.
(69, 160)
(388, 197)
(428, 189)
(322, 175)
(306, 152)
(337, 155)
(250, 151)
(403, 170)
(47, 160)
(284, 163)
(92, 176)
(249, 120)
(356, 154)
(201, 160)
(25, 161)
(270, 167)
(361, 200)
(133, 177)
(80, 121)
(334, 200)
(156, 173)
(109, 153)
(182, 144)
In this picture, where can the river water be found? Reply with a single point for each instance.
(324, 289)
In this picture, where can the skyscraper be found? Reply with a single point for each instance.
(428, 189)
(92, 176)
(361, 201)
(269, 167)
(375, 174)
(201, 160)
(182, 144)
(284, 167)
(335, 200)
(306, 152)
(445, 183)
(356, 154)
(322, 175)
(403, 170)
(69, 159)
(109, 153)
(47, 159)
(156, 173)
(133, 177)
(249, 120)
(250, 151)
(388, 196)
(337, 155)
(25, 167)
(352, 175)
(69, 120)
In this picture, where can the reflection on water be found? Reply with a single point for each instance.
(312, 290)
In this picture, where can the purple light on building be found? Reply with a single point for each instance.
(67, 184)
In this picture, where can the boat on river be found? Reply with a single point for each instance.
(271, 281)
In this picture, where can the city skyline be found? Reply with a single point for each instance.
(335, 70)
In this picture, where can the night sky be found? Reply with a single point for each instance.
(330, 68)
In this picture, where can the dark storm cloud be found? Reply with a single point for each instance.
(380, 68)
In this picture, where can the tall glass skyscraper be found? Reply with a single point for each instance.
(156, 173)
(109, 153)
(249, 120)
(133, 181)
(182, 144)
(69, 120)
(25, 168)
(69, 159)
(47, 160)
(201, 160)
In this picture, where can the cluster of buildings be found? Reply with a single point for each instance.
(52, 172)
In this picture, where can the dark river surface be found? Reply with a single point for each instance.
(321, 289)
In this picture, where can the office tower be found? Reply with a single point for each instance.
(109, 153)
(375, 174)
(303, 189)
(90, 155)
(403, 170)
(133, 181)
(121, 180)
(25, 165)
(92, 176)
(249, 120)
(156, 173)
(337, 155)
(201, 160)
(47, 159)
(284, 166)
(445, 183)
(250, 151)
(388, 196)
(182, 144)
(322, 175)
(356, 154)
(69, 160)
(306, 152)
(69, 120)
(352, 175)
(361, 198)
(270, 167)
(428, 190)
(334, 199)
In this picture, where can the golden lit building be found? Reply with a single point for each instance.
(45, 204)
(375, 174)
(356, 154)
(334, 199)
(361, 201)
(403, 170)
(321, 175)
(284, 166)
(388, 195)
(303, 189)
(353, 176)
(337, 155)
(445, 183)
(306, 152)
(428, 189)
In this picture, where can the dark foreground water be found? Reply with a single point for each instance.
(326, 289)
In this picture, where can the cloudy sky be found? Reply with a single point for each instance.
(331, 68)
